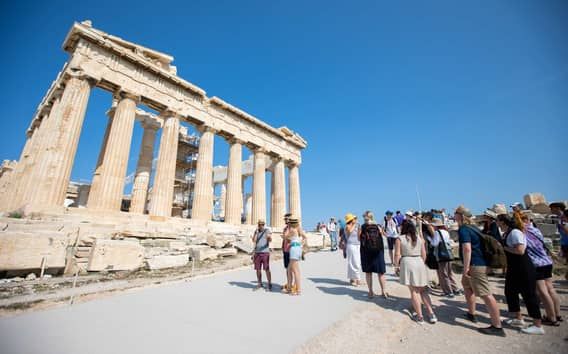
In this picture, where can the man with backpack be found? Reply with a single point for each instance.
(373, 253)
(474, 279)
(391, 230)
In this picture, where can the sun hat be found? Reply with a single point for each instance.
(261, 222)
(489, 212)
(409, 213)
(349, 217)
(292, 220)
(462, 210)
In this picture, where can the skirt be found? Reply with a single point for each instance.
(373, 261)
(353, 262)
(413, 271)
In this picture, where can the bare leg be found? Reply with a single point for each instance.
(290, 276)
(553, 296)
(297, 276)
(383, 283)
(391, 256)
(415, 299)
(493, 310)
(269, 278)
(426, 300)
(544, 296)
(259, 278)
(369, 277)
(470, 299)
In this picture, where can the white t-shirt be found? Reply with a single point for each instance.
(390, 228)
(331, 227)
(516, 237)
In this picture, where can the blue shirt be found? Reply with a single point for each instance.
(468, 235)
(562, 232)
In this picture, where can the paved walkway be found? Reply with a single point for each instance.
(220, 313)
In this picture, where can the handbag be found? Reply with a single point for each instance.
(443, 254)
(431, 260)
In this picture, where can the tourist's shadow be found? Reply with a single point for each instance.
(242, 284)
(328, 281)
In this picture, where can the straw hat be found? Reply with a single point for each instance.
(349, 217)
(409, 213)
(463, 211)
(490, 213)
(293, 221)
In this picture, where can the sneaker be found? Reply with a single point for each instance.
(419, 320)
(449, 296)
(513, 322)
(470, 317)
(433, 319)
(458, 292)
(533, 330)
(492, 331)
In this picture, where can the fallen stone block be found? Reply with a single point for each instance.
(116, 255)
(177, 246)
(540, 208)
(220, 240)
(166, 261)
(201, 253)
(245, 247)
(21, 251)
(226, 252)
(532, 199)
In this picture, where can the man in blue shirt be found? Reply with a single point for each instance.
(474, 279)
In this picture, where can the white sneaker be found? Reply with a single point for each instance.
(433, 319)
(513, 322)
(533, 330)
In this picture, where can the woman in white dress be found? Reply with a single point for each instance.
(353, 245)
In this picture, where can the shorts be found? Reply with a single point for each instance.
(478, 281)
(295, 253)
(544, 272)
(390, 241)
(262, 261)
(286, 259)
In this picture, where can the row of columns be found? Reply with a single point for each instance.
(48, 155)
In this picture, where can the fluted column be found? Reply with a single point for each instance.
(94, 192)
(163, 189)
(248, 209)
(259, 186)
(203, 197)
(278, 195)
(56, 164)
(234, 203)
(294, 185)
(115, 161)
(143, 169)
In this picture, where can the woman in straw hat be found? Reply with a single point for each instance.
(352, 237)
(295, 235)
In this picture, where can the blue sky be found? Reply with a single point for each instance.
(466, 100)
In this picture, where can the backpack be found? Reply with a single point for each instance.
(493, 251)
(373, 238)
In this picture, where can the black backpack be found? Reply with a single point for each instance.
(373, 238)
(492, 250)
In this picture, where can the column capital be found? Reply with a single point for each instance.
(231, 139)
(79, 74)
(122, 94)
(292, 163)
(260, 150)
(169, 113)
(206, 128)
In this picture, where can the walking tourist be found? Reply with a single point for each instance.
(474, 279)
(399, 218)
(521, 275)
(261, 240)
(332, 228)
(559, 209)
(296, 237)
(391, 231)
(538, 254)
(353, 252)
(443, 245)
(286, 252)
(373, 253)
(323, 231)
(410, 255)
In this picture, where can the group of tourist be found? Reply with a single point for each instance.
(417, 242)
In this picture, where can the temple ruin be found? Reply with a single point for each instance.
(180, 205)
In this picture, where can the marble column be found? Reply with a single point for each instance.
(57, 161)
(163, 188)
(202, 207)
(94, 192)
(223, 201)
(294, 185)
(248, 209)
(278, 195)
(234, 203)
(143, 169)
(259, 186)
(115, 161)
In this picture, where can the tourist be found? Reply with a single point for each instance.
(559, 209)
(410, 255)
(521, 275)
(443, 244)
(538, 254)
(296, 238)
(261, 240)
(399, 218)
(286, 252)
(323, 231)
(353, 253)
(391, 231)
(516, 207)
(332, 228)
(373, 253)
(474, 279)
(491, 228)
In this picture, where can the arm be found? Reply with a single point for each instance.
(397, 254)
(423, 252)
(269, 236)
(466, 252)
(359, 233)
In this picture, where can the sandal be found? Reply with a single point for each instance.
(285, 289)
(370, 295)
(296, 292)
(386, 296)
(548, 322)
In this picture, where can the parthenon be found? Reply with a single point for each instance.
(139, 76)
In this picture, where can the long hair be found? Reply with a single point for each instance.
(409, 229)
(518, 218)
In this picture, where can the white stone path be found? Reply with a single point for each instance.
(220, 313)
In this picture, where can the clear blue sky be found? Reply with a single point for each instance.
(467, 100)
